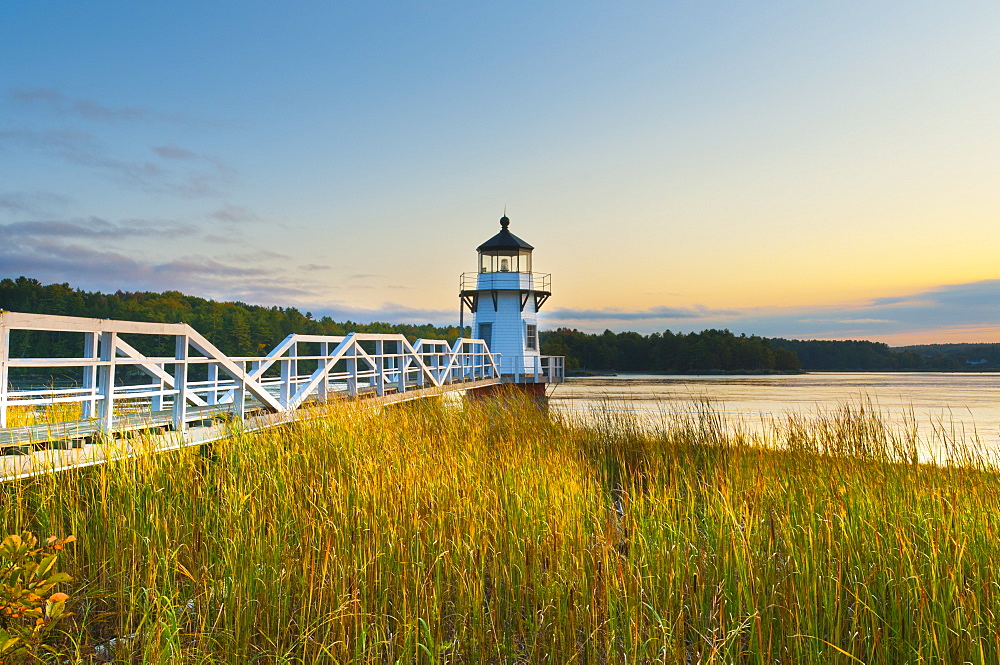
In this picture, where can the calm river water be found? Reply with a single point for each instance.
(967, 405)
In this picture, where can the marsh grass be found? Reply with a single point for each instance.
(46, 414)
(490, 533)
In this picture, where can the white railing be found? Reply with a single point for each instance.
(540, 369)
(105, 383)
(484, 281)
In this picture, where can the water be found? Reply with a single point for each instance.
(964, 405)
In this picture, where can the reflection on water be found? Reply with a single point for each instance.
(968, 404)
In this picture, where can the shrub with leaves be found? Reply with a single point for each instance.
(29, 604)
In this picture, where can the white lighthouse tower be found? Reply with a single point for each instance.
(504, 298)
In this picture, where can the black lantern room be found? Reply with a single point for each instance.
(504, 252)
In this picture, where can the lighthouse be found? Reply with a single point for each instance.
(504, 296)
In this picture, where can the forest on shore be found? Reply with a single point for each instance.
(236, 328)
(241, 329)
(670, 352)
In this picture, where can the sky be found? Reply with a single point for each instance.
(814, 170)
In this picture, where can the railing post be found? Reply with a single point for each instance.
(422, 357)
(293, 368)
(213, 378)
(106, 383)
(240, 393)
(285, 391)
(180, 382)
(4, 373)
(88, 408)
(324, 351)
(379, 368)
(156, 402)
(352, 370)
(401, 363)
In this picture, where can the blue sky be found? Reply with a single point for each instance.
(796, 169)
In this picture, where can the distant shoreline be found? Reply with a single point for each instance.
(764, 372)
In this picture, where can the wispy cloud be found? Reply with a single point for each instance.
(972, 307)
(52, 139)
(651, 314)
(82, 149)
(98, 254)
(53, 100)
(234, 215)
(175, 152)
(61, 259)
(390, 312)
(849, 322)
(32, 203)
(90, 227)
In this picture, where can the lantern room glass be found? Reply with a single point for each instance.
(505, 261)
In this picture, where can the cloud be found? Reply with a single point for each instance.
(234, 214)
(54, 100)
(82, 149)
(895, 300)
(175, 152)
(98, 254)
(651, 314)
(204, 266)
(90, 227)
(981, 294)
(846, 321)
(31, 202)
(70, 259)
(950, 310)
(48, 139)
(224, 240)
(390, 312)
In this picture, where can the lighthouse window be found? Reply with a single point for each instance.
(508, 261)
(531, 337)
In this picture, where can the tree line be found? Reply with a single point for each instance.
(666, 352)
(240, 329)
(670, 352)
(982, 356)
(864, 355)
(236, 328)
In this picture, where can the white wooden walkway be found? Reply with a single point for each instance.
(112, 388)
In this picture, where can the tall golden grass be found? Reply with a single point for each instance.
(489, 533)
(46, 414)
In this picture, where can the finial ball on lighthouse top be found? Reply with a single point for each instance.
(504, 222)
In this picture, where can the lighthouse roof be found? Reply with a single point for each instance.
(505, 240)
